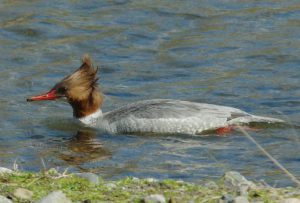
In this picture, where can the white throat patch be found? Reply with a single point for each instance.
(91, 120)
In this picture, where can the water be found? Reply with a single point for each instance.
(241, 54)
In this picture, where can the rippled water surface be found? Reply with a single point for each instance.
(244, 54)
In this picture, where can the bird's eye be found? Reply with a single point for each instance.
(61, 90)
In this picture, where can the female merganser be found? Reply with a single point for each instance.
(149, 116)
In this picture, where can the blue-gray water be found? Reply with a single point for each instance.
(244, 54)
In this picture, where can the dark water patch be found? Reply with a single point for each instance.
(172, 14)
(278, 59)
(121, 94)
(21, 60)
(135, 36)
(37, 137)
(108, 70)
(182, 64)
(26, 32)
(277, 104)
(184, 49)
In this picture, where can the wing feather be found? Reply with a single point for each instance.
(173, 109)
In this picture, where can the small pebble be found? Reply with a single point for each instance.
(52, 171)
(91, 177)
(293, 193)
(4, 199)
(151, 180)
(211, 185)
(110, 185)
(56, 196)
(22, 193)
(291, 200)
(226, 199)
(234, 181)
(243, 189)
(156, 198)
(241, 199)
(135, 179)
(5, 170)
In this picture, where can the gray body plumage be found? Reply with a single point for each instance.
(173, 116)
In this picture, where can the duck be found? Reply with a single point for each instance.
(159, 116)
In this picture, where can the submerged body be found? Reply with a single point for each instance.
(170, 116)
(149, 116)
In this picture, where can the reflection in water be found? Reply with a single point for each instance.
(84, 148)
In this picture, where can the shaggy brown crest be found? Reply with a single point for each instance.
(81, 82)
(80, 88)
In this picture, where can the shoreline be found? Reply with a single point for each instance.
(52, 186)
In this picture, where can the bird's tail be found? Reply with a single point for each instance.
(255, 119)
(265, 119)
